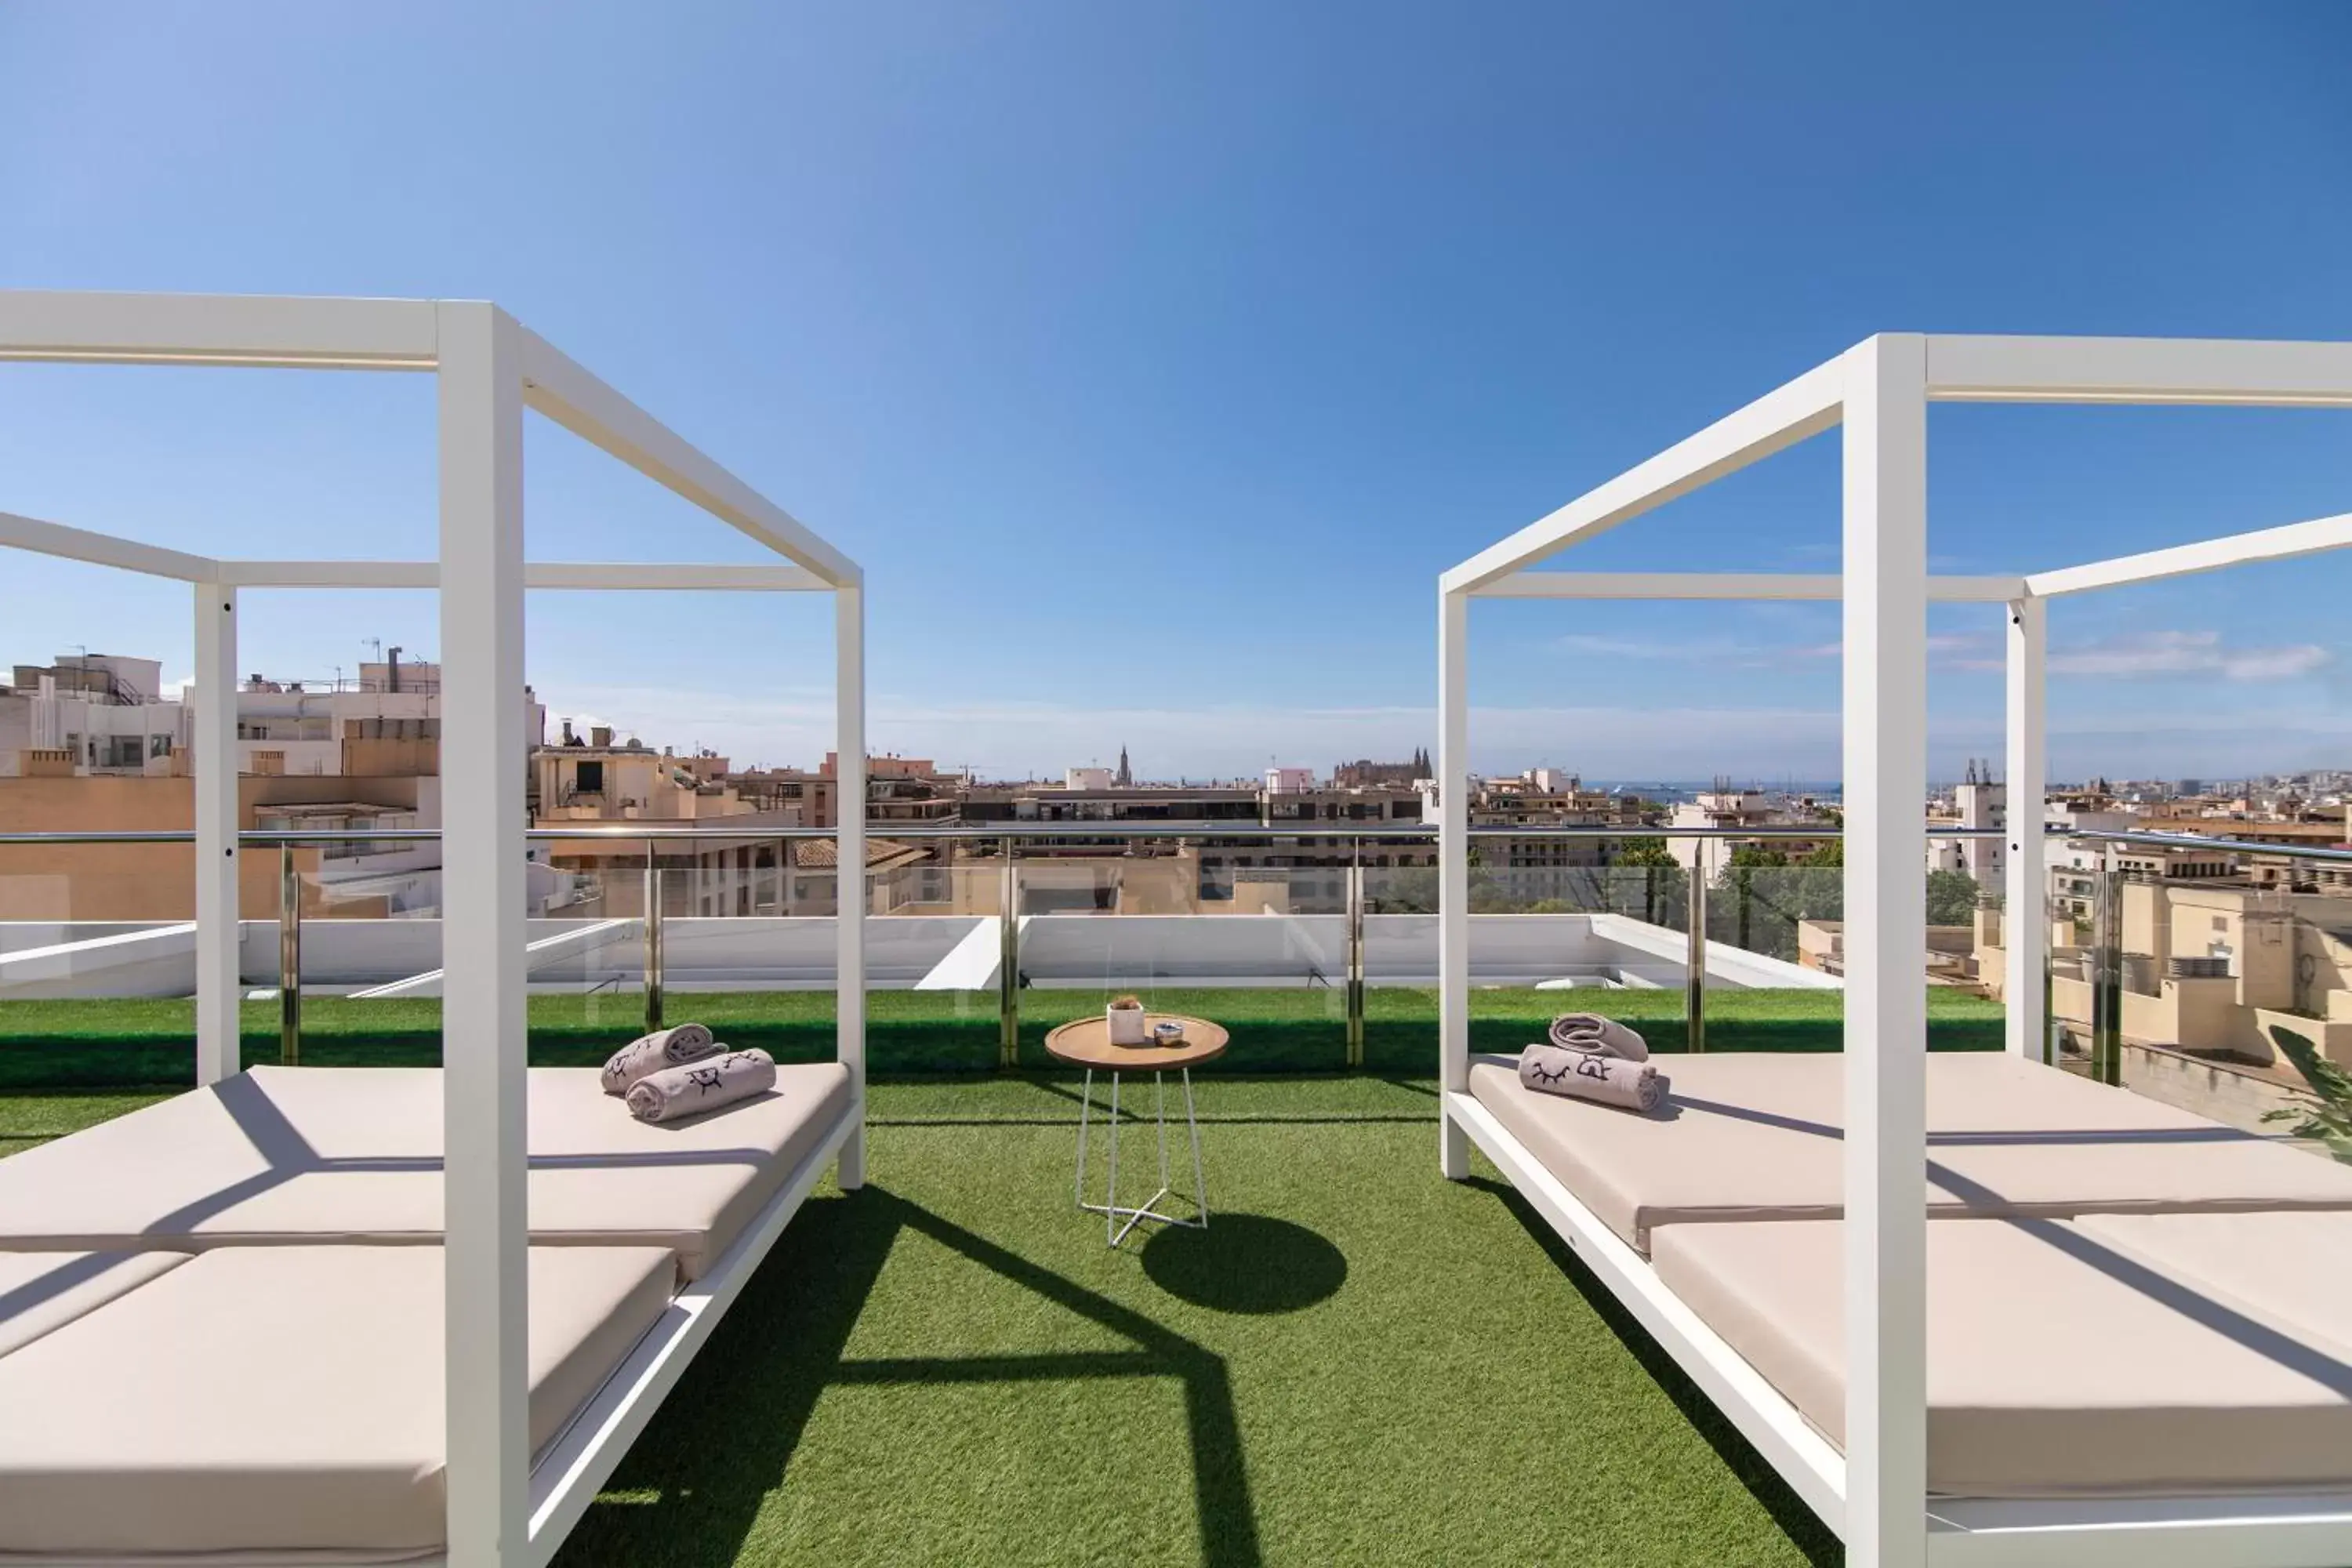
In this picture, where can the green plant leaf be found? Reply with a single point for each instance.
(2326, 1117)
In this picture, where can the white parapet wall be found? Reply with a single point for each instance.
(959, 952)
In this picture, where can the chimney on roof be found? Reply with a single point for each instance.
(600, 735)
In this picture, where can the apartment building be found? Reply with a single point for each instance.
(93, 742)
(1726, 810)
(107, 715)
(1976, 803)
(90, 714)
(2216, 947)
(1297, 869)
(136, 883)
(897, 790)
(1532, 870)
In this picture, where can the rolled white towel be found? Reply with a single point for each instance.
(1590, 1075)
(1592, 1032)
(675, 1093)
(651, 1053)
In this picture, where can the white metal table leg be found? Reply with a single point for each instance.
(1110, 1206)
(1159, 1114)
(1086, 1103)
(1111, 1209)
(1199, 1186)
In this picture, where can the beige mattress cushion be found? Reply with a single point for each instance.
(2054, 1367)
(282, 1399)
(1759, 1135)
(2291, 1269)
(353, 1154)
(41, 1292)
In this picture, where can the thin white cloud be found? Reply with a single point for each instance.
(1751, 654)
(2151, 654)
(1693, 650)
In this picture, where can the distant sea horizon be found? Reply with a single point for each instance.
(1676, 790)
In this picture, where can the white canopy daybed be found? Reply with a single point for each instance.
(1873, 1358)
(436, 1306)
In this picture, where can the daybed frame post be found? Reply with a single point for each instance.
(849, 840)
(213, 745)
(1453, 874)
(482, 1021)
(2024, 918)
(1885, 547)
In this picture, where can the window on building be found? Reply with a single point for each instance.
(588, 778)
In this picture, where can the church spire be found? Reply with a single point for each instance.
(1124, 778)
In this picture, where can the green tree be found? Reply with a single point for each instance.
(1644, 875)
(1951, 898)
(1643, 849)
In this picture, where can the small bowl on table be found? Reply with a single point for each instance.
(1169, 1033)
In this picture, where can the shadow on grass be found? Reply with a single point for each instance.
(690, 1490)
(1245, 1263)
(1799, 1523)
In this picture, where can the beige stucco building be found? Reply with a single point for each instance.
(2208, 965)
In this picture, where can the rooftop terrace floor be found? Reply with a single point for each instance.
(1358, 1362)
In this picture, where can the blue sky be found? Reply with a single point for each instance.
(1154, 360)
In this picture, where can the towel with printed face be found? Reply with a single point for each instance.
(1592, 1032)
(652, 1053)
(675, 1093)
(1588, 1075)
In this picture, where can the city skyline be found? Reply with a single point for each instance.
(795, 732)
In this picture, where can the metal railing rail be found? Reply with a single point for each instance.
(2104, 961)
(1409, 832)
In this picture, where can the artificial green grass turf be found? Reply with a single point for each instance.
(128, 1041)
(1358, 1362)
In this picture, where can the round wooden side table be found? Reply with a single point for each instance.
(1086, 1044)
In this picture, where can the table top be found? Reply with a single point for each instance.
(1086, 1042)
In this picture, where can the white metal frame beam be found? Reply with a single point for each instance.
(69, 327)
(566, 393)
(1880, 390)
(489, 369)
(30, 534)
(2286, 544)
(1968, 368)
(2025, 890)
(1780, 419)
(1886, 765)
(1453, 871)
(1745, 587)
(219, 902)
(613, 576)
(484, 1034)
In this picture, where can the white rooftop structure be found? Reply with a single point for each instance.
(489, 369)
(1875, 1493)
